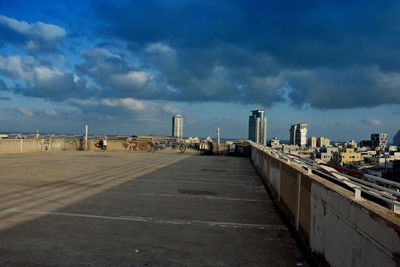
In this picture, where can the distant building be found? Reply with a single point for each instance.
(275, 142)
(365, 143)
(347, 156)
(312, 142)
(350, 144)
(379, 140)
(396, 139)
(326, 153)
(323, 141)
(177, 126)
(258, 126)
(289, 148)
(298, 134)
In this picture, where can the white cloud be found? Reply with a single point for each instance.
(51, 112)
(44, 73)
(76, 78)
(25, 112)
(128, 103)
(17, 67)
(171, 109)
(34, 35)
(35, 79)
(159, 48)
(26, 69)
(132, 79)
(372, 122)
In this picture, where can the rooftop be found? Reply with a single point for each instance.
(119, 208)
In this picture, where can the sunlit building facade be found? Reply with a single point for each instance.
(177, 126)
(258, 126)
(298, 134)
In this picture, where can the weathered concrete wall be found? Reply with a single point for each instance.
(38, 145)
(121, 145)
(338, 230)
(34, 145)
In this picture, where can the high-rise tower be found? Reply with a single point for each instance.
(298, 134)
(379, 140)
(396, 139)
(177, 126)
(258, 126)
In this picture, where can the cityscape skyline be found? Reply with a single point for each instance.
(288, 140)
(63, 66)
(200, 133)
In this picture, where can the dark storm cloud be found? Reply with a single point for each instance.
(57, 88)
(118, 78)
(221, 73)
(224, 73)
(332, 54)
(344, 88)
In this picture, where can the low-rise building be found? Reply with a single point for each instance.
(365, 143)
(347, 156)
(304, 153)
(289, 148)
(275, 142)
(326, 153)
(350, 144)
(367, 154)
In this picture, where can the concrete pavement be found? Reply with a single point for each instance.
(138, 209)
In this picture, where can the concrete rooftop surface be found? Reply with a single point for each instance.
(138, 209)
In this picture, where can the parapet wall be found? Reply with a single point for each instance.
(337, 229)
(38, 145)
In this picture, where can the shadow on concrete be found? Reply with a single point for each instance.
(198, 211)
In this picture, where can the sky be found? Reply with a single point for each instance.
(129, 66)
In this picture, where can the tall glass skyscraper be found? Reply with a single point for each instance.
(258, 127)
(177, 126)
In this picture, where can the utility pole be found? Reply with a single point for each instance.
(86, 137)
(218, 140)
